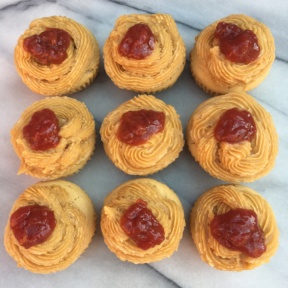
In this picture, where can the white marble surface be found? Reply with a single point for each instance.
(98, 267)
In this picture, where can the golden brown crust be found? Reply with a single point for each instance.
(217, 75)
(219, 200)
(165, 206)
(242, 162)
(78, 136)
(75, 227)
(74, 74)
(156, 72)
(157, 153)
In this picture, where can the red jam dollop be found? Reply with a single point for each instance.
(49, 47)
(42, 132)
(238, 230)
(239, 46)
(138, 42)
(235, 126)
(32, 224)
(139, 224)
(136, 127)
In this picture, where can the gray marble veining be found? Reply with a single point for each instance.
(98, 267)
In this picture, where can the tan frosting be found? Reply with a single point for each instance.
(156, 72)
(78, 136)
(76, 223)
(155, 154)
(217, 75)
(219, 200)
(165, 206)
(242, 162)
(75, 73)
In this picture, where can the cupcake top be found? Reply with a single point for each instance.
(70, 210)
(54, 137)
(233, 138)
(59, 69)
(164, 206)
(156, 128)
(159, 64)
(217, 72)
(244, 223)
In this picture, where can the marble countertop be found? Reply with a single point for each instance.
(98, 267)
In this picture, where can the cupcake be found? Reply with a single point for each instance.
(233, 53)
(234, 228)
(144, 53)
(142, 135)
(57, 69)
(62, 218)
(142, 221)
(54, 137)
(233, 138)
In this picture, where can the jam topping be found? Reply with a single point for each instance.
(42, 132)
(141, 226)
(49, 47)
(235, 126)
(239, 46)
(32, 224)
(138, 42)
(136, 127)
(238, 230)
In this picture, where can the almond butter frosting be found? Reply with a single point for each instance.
(78, 136)
(155, 154)
(76, 223)
(156, 72)
(219, 200)
(74, 74)
(217, 75)
(165, 206)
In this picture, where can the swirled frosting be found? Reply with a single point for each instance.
(74, 74)
(155, 154)
(219, 200)
(217, 75)
(156, 72)
(78, 136)
(242, 162)
(76, 223)
(165, 206)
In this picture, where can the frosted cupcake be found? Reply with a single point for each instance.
(54, 137)
(142, 135)
(234, 228)
(142, 221)
(57, 56)
(63, 221)
(233, 138)
(232, 54)
(144, 53)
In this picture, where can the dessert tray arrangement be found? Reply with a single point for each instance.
(136, 148)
